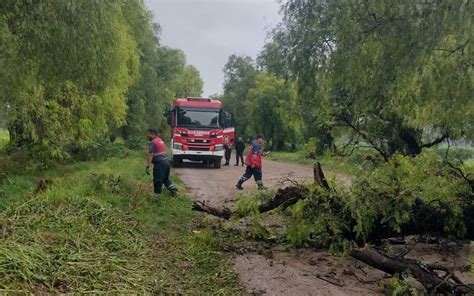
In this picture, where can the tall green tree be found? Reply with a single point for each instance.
(190, 83)
(271, 111)
(239, 76)
(273, 57)
(397, 75)
(66, 66)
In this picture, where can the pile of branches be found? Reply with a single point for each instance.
(435, 278)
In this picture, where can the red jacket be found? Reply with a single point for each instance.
(158, 149)
(254, 156)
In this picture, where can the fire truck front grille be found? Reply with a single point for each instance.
(198, 141)
(199, 148)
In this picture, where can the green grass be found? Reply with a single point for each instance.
(334, 164)
(97, 228)
(4, 138)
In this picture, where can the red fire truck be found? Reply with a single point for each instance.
(199, 128)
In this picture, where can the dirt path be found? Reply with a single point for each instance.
(217, 186)
(298, 272)
(284, 273)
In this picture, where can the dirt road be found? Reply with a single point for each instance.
(285, 273)
(300, 271)
(218, 185)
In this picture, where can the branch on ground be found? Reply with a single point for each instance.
(426, 274)
(284, 198)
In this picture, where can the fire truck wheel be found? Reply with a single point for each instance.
(217, 164)
(177, 161)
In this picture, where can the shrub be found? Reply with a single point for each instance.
(386, 199)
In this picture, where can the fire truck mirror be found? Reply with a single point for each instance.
(168, 116)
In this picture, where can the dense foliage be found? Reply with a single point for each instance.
(397, 76)
(72, 73)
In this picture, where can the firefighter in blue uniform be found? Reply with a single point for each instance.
(161, 166)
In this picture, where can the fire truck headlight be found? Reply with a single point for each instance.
(178, 146)
(219, 147)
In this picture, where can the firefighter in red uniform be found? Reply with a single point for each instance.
(161, 166)
(253, 162)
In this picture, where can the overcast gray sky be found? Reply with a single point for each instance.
(209, 31)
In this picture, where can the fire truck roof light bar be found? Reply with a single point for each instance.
(198, 99)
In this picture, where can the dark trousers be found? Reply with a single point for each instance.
(227, 154)
(249, 172)
(161, 176)
(239, 155)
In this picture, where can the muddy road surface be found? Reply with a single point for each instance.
(217, 186)
(284, 273)
(297, 271)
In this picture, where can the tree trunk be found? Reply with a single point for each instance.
(319, 177)
(284, 198)
(425, 274)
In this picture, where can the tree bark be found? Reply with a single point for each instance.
(319, 177)
(425, 274)
(201, 206)
(284, 198)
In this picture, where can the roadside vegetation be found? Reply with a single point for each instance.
(3, 139)
(95, 227)
(379, 92)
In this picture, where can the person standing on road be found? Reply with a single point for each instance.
(254, 164)
(228, 150)
(239, 151)
(161, 166)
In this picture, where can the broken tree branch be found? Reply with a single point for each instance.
(319, 177)
(201, 206)
(423, 273)
(284, 198)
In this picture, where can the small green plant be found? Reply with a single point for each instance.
(4, 139)
(247, 204)
(321, 220)
(397, 286)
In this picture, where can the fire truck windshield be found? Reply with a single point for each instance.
(197, 118)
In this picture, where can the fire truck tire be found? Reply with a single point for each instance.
(217, 164)
(177, 161)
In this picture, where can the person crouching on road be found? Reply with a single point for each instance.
(253, 161)
(239, 151)
(161, 166)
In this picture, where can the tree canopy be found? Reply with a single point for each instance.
(397, 76)
(73, 73)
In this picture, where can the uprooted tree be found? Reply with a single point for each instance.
(407, 195)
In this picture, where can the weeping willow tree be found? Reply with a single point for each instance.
(397, 75)
(76, 73)
(65, 68)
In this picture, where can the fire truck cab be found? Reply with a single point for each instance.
(199, 130)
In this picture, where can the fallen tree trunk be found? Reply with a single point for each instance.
(425, 274)
(201, 206)
(284, 198)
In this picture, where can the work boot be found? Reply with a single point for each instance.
(239, 185)
(227, 163)
(260, 186)
(173, 190)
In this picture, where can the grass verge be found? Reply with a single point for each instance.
(335, 164)
(95, 227)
